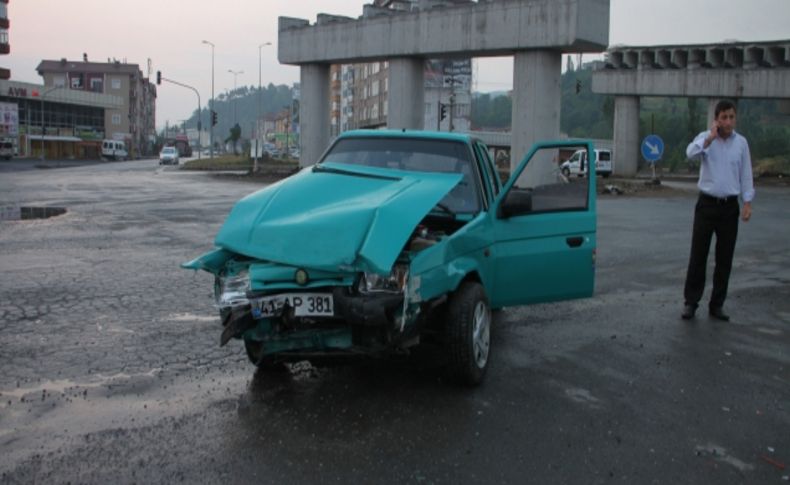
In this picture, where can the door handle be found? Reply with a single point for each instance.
(574, 242)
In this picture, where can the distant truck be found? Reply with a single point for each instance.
(181, 142)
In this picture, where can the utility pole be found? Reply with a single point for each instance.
(211, 124)
(255, 165)
(235, 73)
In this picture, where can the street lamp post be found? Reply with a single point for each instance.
(43, 156)
(255, 165)
(235, 73)
(211, 115)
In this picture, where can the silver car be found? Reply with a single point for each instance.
(168, 156)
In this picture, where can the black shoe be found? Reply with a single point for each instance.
(718, 314)
(688, 312)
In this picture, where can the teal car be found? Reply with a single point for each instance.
(396, 239)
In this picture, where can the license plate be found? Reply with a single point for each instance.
(304, 305)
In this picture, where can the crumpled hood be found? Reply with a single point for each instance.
(334, 216)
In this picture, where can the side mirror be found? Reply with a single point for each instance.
(517, 202)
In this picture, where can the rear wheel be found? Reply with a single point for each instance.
(468, 334)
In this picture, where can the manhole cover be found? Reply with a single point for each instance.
(16, 213)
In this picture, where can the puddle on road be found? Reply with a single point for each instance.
(17, 213)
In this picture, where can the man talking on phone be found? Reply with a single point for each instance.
(725, 175)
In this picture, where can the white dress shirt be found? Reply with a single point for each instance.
(726, 166)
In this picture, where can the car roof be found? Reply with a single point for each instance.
(427, 135)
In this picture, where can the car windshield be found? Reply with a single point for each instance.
(169, 151)
(417, 155)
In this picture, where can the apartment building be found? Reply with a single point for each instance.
(5, 46)
(134, 121)
(360, 92)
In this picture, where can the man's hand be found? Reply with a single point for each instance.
(714, 132)
(746, 211)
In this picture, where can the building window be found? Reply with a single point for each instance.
(374, 88)
(116, 83)
(384, 108)
(97, 85)
(374, 111)
(386, 84)
(59, 81)
(76, 81)
(116, 119)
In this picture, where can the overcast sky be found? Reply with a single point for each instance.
(169, 32)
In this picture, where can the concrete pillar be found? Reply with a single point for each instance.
(626, 135)
(313, 112)
(406, 94)
(536, 109)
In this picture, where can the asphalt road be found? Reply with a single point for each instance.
(111, 370)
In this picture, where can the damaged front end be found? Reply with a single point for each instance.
(336, 280)
(288, 313)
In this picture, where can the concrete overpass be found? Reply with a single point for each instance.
(535, 32)
(730, 70)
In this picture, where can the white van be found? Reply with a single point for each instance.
(114, 150)
(577, 164)
(7, 148)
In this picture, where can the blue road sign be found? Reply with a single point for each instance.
(652, 148)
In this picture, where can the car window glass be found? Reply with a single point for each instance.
(417, 155)
(604, 156)
(550, 190)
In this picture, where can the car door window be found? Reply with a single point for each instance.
(548, 189)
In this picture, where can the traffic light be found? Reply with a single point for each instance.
(158, 77)
(213, 118)
(443, 111)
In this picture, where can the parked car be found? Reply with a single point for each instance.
(168, 156)
(397, 239)
(577, 163)
(6, 149)
(114, 150)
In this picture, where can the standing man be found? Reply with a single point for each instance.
(725, 174)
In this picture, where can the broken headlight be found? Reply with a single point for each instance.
(231, 291)
(395, 282)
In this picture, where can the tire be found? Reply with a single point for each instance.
(566, 172)
(253, 349)
(468, 334)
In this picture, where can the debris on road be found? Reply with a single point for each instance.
(773, 462)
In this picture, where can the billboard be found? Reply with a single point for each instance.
(9, 119)
(446, 73)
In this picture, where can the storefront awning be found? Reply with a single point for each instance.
(55, 138)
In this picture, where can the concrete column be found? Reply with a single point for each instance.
(406, 95)
(313, 112)
(626, 135)
(536, 109)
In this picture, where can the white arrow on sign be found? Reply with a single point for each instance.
(653, 148)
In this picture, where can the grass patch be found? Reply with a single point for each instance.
(230, 162)
(225, 162)
(772, 167)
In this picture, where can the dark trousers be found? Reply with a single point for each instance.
(712, 216)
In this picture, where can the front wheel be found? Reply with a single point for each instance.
(468, 332)
(566, 172)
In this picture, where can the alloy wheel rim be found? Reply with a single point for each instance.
(481, 335)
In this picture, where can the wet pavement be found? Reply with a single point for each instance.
(111, 369)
